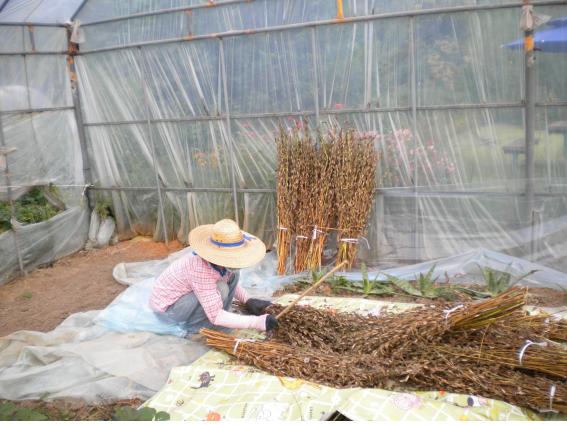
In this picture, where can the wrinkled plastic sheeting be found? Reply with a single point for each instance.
(468, 266)
(130, 312)
(83, 360)
(132, 273)
(44, 242)
(259, 280)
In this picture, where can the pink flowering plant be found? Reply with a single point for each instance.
(400, 155)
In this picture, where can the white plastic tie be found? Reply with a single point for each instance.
(285, 229)
(355, 240)
(301, 237)
(315, 231)
(552, 390)
(365, 240)
(525, 347)
(452, 310)
(237, 341)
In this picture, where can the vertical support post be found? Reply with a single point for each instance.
(315, 73)
(4, 154)
(530, 83)
(229, 130)
(340, 14)
(413, 88)
(144, 77)
(79, 119)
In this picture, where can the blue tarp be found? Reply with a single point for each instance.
(551, 39)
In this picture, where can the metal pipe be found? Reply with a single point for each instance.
(4, 3)
(354, 19)
(386, 192)
(144, 78)
(391, 14)
(229, 130)
(327, 112)
(166, 11)
(10, 199)
(315, 74)
(413, 90)
(340, 14)
(183, 189)
(23, 53)
(530, 94)
(80, 127)
(74, 15)
(35, 24)
(37, 110)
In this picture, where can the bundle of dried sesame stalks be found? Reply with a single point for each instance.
(355, 182)
(324, 183)
(283, 198)
(491, 349)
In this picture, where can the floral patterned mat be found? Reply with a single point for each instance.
(216, 387)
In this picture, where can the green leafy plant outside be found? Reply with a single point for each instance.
(33, 207)
(103, 208)
(497, 281)
(9, 411)
(128, 413)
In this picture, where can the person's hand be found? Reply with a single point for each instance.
(256, 306)
(271, 323)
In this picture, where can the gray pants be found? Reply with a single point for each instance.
(188, 311)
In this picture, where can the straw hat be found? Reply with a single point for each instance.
(224, 244)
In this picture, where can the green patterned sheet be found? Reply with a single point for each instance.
(216, 387)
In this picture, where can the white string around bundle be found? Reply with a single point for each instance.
(452, 310)
(525, 347)
(355, 240)
(238, 341)
(301, 237)
(552, 390)
(315, 231)
(285, 229)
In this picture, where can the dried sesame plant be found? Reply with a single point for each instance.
(355, 182)
(284, 198)
(322, 183)
(491, 349)
(323, 196)
(304, 158)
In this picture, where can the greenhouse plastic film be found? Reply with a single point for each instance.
(44, 148)
(44, 242)
(451, 178)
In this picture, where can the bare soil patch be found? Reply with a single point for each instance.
(80, 282)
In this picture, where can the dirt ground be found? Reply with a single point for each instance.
(81, 282)
(74, 410)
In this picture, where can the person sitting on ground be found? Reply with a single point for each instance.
(197, 290)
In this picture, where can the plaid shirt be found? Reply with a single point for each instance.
(192, 274)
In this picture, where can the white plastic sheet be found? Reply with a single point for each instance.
(83, 360)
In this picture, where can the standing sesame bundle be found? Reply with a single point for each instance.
(284, 198)
(303, 157)
(320, 186)
(355, 182)
(323, 197)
